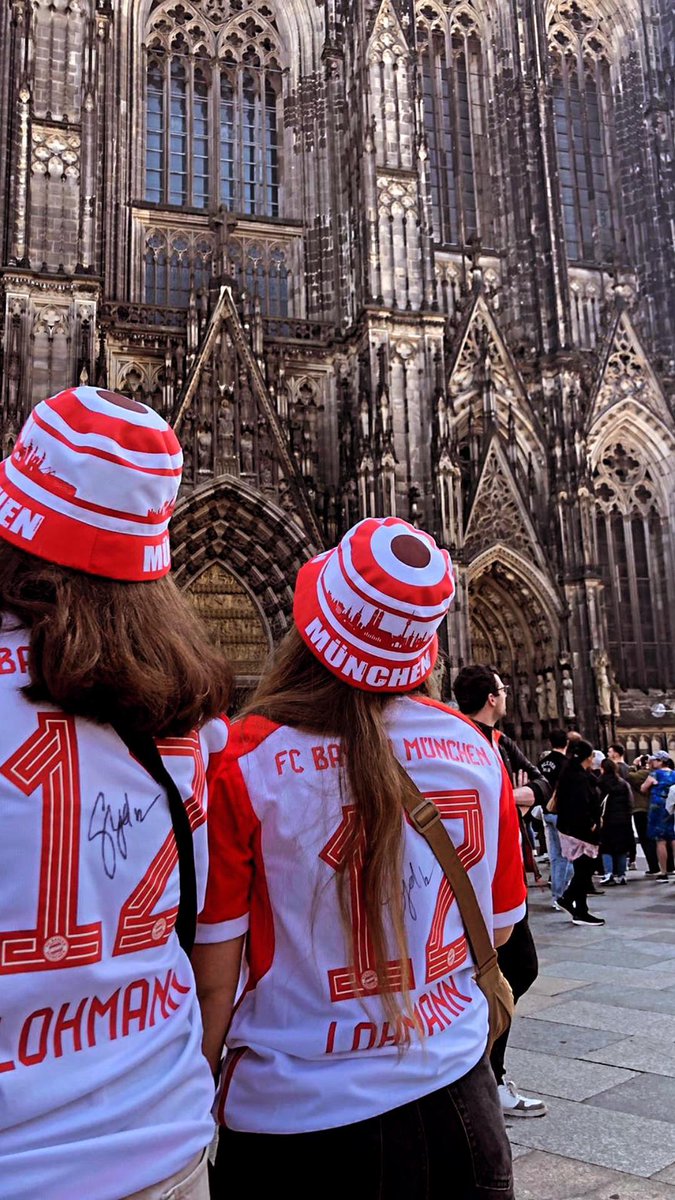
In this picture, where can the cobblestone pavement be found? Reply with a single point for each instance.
(595, 1037)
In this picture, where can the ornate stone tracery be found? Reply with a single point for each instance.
(387, 42)
(497, 515)
(624, 483)
(577, 28)
(484, 386)
(625, 373)
(241, 32)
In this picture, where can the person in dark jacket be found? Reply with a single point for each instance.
(616, 828)
(617, 753)
(481, 695)
(579, 819)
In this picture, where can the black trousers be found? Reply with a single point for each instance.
(450, 1145)
(519, 963)
(581, 883)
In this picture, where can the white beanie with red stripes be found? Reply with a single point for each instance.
(91, 484)
(370, 608)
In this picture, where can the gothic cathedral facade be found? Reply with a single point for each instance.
(407, 257)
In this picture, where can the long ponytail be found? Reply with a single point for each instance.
(296, 690)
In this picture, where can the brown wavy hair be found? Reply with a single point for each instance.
(297, 690)
(131, 654)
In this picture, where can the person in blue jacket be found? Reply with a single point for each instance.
(660, 823)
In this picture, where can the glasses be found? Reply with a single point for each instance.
(504, 688)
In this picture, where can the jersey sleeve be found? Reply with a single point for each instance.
(232, 831)
(509, 892)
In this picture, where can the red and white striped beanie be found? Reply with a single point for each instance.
(92, 484)
(369, 609)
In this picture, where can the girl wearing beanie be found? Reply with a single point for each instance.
(579, 818)
(356, 1052)
(103, 1090)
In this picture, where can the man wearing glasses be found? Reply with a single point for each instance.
(481, 695)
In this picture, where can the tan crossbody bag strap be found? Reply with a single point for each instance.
(426, 819)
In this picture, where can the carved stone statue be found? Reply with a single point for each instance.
(600, 668)
(569, 711)
(364, 419)
(246, 450)
(385, 413)
(524, 696)
(225, 426)
(540, 693)
(551, 697)
(205, 448)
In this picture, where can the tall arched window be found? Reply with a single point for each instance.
(629, 530)
(200, 75)
(213, 96)
(582, 109)
(452, 85)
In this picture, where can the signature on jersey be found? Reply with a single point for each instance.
(108, 826)
(414, 879)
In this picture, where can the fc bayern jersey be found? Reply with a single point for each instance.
(310, 1045)
(103, 1087)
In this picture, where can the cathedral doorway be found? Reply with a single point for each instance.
(233, 620)
(237, 554)
(514, 620)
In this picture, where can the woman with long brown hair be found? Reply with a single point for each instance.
(103, 1090)
(356, 1052)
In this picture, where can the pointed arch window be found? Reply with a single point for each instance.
(177, 160)
(583, 121)
(453, 98)
(631, 553)
(226, 81)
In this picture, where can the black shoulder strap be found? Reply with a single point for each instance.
(143, 748)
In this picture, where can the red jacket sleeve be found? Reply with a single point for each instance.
(232, 831)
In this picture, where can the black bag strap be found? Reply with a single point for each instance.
(143, 748)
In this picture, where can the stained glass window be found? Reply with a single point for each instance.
(246, 171)
(454, 123)
(582, 121)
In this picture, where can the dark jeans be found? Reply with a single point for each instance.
(582, 882)
(518, 961)
(450, 1145)
(648, 844)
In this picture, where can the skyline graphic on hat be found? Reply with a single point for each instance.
(369, 608)
(91, 484)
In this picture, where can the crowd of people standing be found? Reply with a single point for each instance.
(601, 808)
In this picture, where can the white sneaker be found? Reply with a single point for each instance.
(556, 907)
(515, 1105)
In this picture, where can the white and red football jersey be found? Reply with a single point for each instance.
(310, 1046)
(103, 1087)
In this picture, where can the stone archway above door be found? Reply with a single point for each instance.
(238, 554)
(515, 623)
(233, 619)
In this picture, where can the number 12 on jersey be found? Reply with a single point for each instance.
(362, 978)
(49, 760)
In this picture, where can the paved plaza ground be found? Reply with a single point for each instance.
(595, 1037)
